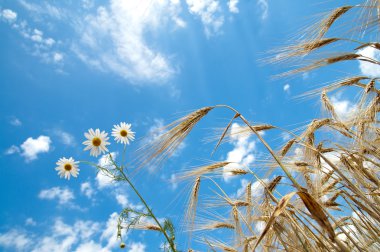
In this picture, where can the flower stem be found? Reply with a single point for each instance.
(149, 210)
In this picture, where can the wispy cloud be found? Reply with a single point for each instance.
(157, 129)
(14, 121)
(44, 9)
(113, 39)
(64, 137)
(263, 8)
(210, 13)
(41, 46)
(173, 181)
(63, 195)
(12, 150)
(87, 4)
(87, 189)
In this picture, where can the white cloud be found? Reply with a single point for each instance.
(90, 246)
(264, 8)
(15, 121)
(87, 4)
(12, 150)
(334, 158)
(257, 188)
(367, 68)
(113, 40)
(63, 237)
(344, 109)
(109, 233)
(40, 46)
(57, 57)
(37, 35)
(242, 154)
(102, 179)
(15, 240)
(31, 148)
(210, 14)
(260, 226)
(63, 195)
(173, 181)
(122, 200)
(86, 189)
(43, 9)
(30, 222)
(232, 6)
(8, 15)
(105, 161)
(49, 41)
(287, 88)
(137, 247)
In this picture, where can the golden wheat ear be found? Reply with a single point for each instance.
(326, 24)
(202, 170)
(281, 206)
(167, 143)
(193, 202)
(303, 48)
(327, 104)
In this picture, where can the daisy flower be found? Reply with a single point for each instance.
(123, 133)
(67, 167)
(96, 142)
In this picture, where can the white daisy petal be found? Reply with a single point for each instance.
(97, 142)
(122, 133)
(67, 167)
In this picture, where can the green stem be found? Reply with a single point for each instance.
(149, 210)
(139, 195)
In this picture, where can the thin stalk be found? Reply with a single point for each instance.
(295, 183)
(149, 210)
(151, 214)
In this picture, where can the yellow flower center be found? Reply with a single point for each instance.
(68, 167)
(96, 141)
(123, 133)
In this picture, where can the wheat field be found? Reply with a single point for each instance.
(324, 195)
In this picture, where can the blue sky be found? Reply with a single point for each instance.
(67, 67)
